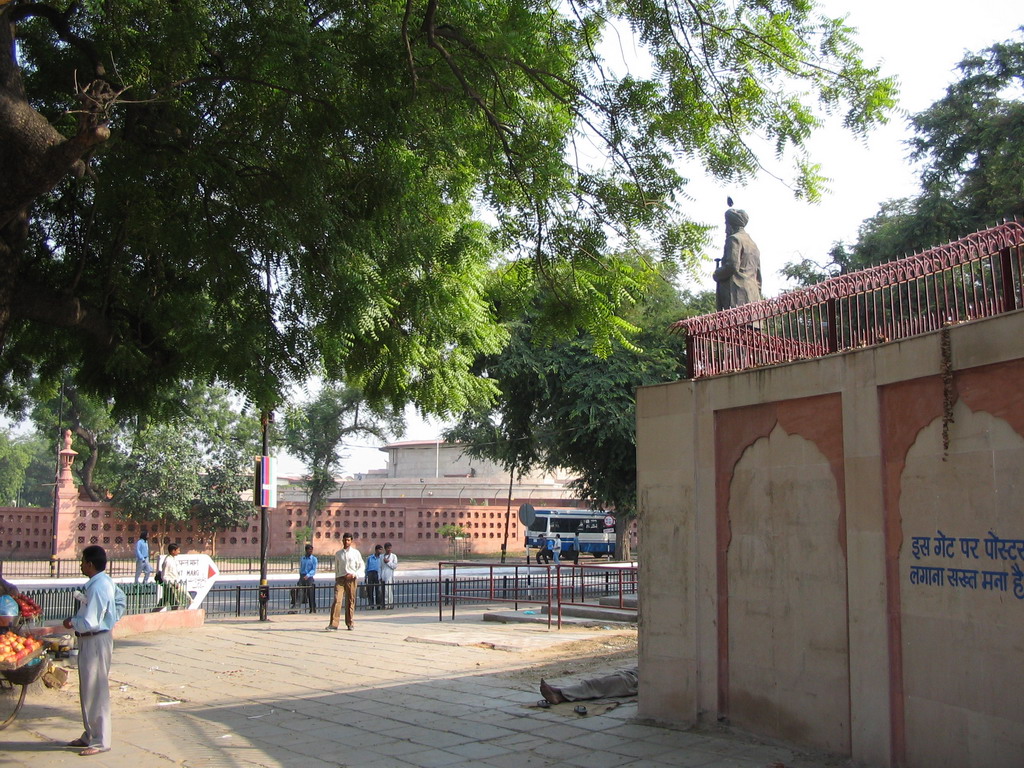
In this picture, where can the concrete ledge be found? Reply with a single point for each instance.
(598, 613)
(630, 602)
(517, 617)
(138, 623)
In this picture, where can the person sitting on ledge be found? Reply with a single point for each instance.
(624, 682)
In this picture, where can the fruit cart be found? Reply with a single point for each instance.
(23, 658)
(29, 665)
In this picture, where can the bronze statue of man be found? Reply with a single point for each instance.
(739, 274)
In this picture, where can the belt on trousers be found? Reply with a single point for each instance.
(91, 634)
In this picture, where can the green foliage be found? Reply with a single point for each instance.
(40, 472)
(562, 407)
(349, 150)
(451, 531)
(97, 435)
(161, 478)
(16, 455)
(195, 466)
(972, 140)
(314, 432)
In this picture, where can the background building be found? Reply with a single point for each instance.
(424, 486)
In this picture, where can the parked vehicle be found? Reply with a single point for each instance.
(580, 530)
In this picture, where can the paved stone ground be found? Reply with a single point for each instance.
(402, 690)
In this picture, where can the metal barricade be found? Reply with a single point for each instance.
(518, 584)
(575, 583)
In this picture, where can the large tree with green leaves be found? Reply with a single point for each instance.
(16, 457)
(970, 144)
(315, 431)
(92, 423)
(560, 406)
(253, 191)
(193, 467)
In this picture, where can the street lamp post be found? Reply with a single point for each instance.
(265, 490)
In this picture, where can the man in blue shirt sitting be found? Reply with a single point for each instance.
(305, 592)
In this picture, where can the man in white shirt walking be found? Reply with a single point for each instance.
(348, 570)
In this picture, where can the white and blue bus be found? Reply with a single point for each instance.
(585, 530)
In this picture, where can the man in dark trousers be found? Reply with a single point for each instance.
(374, 583)
(305, 591)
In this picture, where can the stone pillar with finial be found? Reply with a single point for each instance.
(67, 458)
(66, 507)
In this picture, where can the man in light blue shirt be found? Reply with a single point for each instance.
(374, 586)
(142, 566)
(305, 592)
(101, 605)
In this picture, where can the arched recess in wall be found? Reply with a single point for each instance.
(787, 644)
(959, 614)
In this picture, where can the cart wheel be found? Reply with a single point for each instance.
(11, 703)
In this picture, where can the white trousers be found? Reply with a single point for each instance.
(94, 655)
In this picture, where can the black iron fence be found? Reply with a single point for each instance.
(518, 584)
(59, 603)
(243, 600)
(125, 567)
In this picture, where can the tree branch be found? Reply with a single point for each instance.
(59, 23)
(46, 306)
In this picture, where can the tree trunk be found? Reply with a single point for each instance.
(622, 548)
(85, 473)
(313, 510)
(34, 157)
(90, 439)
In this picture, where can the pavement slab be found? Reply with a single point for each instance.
(401, 691)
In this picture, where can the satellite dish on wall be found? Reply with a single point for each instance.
(527, 514)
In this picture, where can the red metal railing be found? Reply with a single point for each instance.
(549, 586)
(517, 584)
(576, 582)
(977, 276)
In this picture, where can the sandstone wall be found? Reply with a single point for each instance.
(841, 550)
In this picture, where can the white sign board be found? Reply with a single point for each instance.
(199, 572)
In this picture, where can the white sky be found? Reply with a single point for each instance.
(920, 43)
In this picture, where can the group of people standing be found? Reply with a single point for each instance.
(349, 568)
(167, 574)
(102, 603)
(378, 571)
(380, 577)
